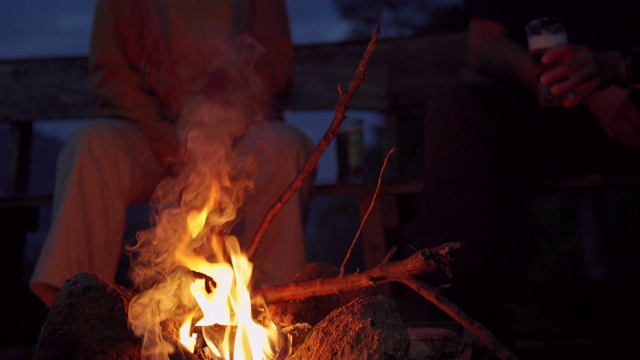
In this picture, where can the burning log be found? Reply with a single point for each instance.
(314, 309)
(403, 271)
(88, 319)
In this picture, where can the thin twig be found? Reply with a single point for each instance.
(482, 333)
(389, 255)
(340, 111)
(366, 215)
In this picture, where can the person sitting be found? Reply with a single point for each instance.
(487, 140)
(152, 65)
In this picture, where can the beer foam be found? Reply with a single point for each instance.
(546, 40)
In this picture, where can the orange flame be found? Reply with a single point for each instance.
(229, 302)
(198, 207)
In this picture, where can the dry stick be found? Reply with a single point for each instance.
(340, 111)
(484, 335)
(402, 271)
(420, 262)
(366, 215)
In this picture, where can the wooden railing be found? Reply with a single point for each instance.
(400, 73)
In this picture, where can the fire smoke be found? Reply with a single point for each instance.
(209, 176)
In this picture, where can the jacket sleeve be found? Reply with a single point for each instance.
(114, 66)
(271, 29)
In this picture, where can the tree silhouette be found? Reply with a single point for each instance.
(398, 18)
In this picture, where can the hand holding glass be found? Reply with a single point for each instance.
(542, 34)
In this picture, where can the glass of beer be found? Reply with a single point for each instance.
(350, 148)
(542, 34)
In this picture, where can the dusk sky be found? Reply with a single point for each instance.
(61, 27)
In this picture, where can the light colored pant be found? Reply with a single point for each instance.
(106, 165)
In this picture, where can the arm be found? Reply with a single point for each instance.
(616, 107)
(271, 30)
(492, 53)
(114, 60)
(579, 70)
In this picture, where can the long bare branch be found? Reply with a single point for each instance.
(420, 262)
(403, 271)
(340, 110)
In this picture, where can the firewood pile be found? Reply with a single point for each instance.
(88, 320)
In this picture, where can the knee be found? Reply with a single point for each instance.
(45, 292)
(280, 151)
(284, 145)
(96, 139)
(96, 134)
(287, 138)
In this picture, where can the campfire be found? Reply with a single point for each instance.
(193, 296)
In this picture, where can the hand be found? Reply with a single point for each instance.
(579, 71)
(615, 110)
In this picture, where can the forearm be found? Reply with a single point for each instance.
(271, 30)
(117, 80)
(491, 53)
(506, 61)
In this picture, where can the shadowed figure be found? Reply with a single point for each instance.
(487, 141)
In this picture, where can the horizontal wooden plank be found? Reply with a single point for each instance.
(15, 201)
(411, 187)
(589, 181)
(56, 88)
(399, 71)
(59, 88)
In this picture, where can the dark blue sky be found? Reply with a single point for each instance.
(61, 27)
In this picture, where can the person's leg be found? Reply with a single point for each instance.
(482, 142)
(104, 166)
(475, 135)
(280, 152)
